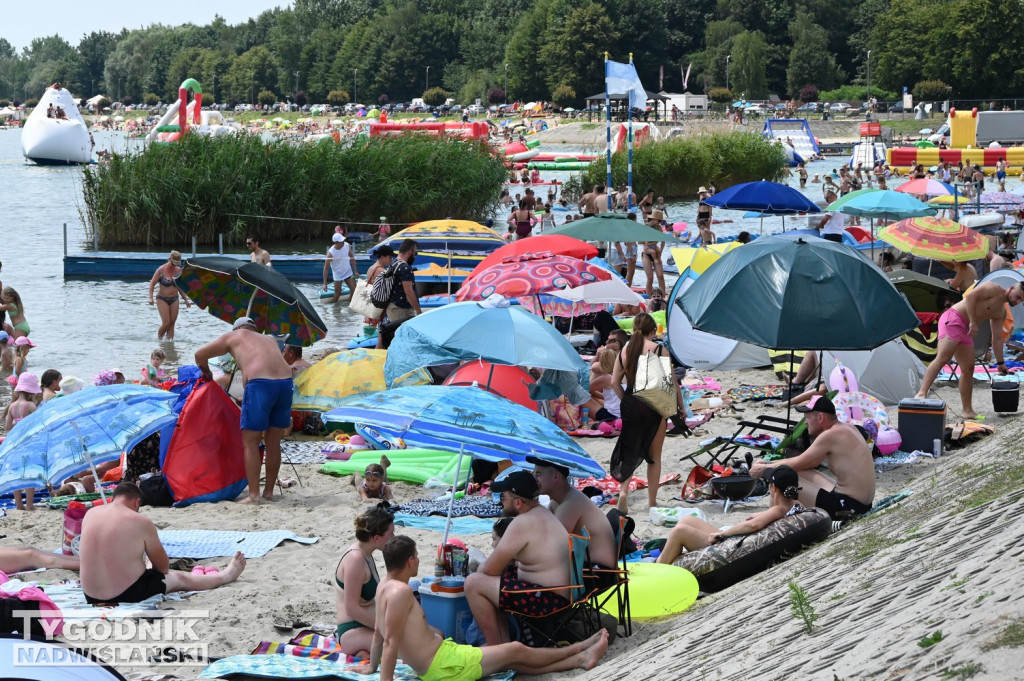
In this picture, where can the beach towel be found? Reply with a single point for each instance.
(201, 544)
(307, 644)
(481, 507)
(610, 486)
(291, 667)
(302, 451)
(695, 383)
(70, 598)
(898, 459)
(749, 393)
(464, 525)
(979, 374)
(963, 433)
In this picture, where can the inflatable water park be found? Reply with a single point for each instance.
(55, 132)
(795, 136)
(966, 129)
(190, 117)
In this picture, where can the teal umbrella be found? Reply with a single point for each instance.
(883, 205)
(611, 227)
(789, 293)
(843, 200)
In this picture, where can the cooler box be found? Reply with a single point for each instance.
(1005, 396)
(447, 609)
(921, 422)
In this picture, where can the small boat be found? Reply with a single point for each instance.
(56, 141)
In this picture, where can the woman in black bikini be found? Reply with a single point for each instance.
(354, 604)
(167, 294)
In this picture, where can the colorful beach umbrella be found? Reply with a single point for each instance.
(558, 244)
(935, 238)
(324, 385)
(454, 417)
(925, 187)
(435, 235)
(614, 227)
(500, 334)
(583, 299)
(531, 274)
(697, 259)
(1002, 202)
(67, 435)
(229, 288)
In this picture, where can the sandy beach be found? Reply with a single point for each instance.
(878, 586)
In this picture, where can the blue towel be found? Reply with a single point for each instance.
(292, 667)
(463, 525)
(214, 543)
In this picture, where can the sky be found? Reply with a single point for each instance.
(20, 22)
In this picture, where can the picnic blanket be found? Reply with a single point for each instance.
(70, 598)
(610, 486)
(749, 393)
(463, 525)
(302, 451)
(481, 507)
(224, 543)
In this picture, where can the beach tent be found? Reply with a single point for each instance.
(702, 350)
(890, 372)
(1007, 278)
(204, 460)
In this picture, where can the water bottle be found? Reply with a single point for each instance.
(937, 448)
(585, 418)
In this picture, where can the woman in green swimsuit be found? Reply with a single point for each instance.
(13, 306)
(355, 604)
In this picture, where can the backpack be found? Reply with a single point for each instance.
(384, 286)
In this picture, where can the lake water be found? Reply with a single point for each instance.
(82, 326)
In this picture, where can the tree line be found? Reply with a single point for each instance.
(376, 51)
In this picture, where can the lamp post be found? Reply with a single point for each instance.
(727, 58)
(869, 80)
(506, 83)
(252, 88)
(427, 85)
(355, 86)
(297, 80)
(213, 90)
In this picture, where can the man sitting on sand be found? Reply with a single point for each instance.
(115, 536)
(539, 547)
(266, 403)
(577, 513)
(402, 632)
(849, 459)
(957, 327)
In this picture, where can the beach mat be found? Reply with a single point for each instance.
(749, 393)
(464, 525)
(481, 507)
(201, 544)
(416, 466)
(292, 667)
(302, 451)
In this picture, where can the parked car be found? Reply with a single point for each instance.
(839, 107)
(475, 109)
(811, 107)
(896, 108)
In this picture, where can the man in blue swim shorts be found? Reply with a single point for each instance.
(402, 623)
(266, 402)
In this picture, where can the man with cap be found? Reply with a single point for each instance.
(266, 402)
(532, 554)
(341, 262)
(848, 457)
(577, 513)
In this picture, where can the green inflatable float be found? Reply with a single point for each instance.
(428, 467)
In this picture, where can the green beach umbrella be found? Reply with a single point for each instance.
(843, 200)
(611, 227)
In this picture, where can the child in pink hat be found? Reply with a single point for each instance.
(26, 395)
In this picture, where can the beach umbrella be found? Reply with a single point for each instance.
(882, 205)
(790, 293)
(935, 238)
(925, 187)
(1002, 202)
(843, 200)
(923, 291)
(446, 235)
(465, 418)
(697, 259)
(229, 288)
(584, 299)
(324, 385)
(924, 144)
(553, 243)
(500, 333)
(765, 197)
(1007, 278)
(67, 435)
(531, 274)
(949, 200)
(614, 227)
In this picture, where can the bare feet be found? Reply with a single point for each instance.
(385, 461)
(269, 496)
(593, 654)
(234, 568)
(970, 415)
(919, 396)
(255, 500)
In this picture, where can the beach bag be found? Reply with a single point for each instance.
(384, 286)
(655, 384)
(155, 491)
(72, 533)
(565, 414)
(362, 302)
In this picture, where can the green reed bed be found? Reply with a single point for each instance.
(677, 167)
(201, 185)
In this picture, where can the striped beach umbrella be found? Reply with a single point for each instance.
(935, 238)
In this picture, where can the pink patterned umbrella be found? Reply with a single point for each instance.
(529, 275)
(925, 187)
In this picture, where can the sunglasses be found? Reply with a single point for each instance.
(372, 474)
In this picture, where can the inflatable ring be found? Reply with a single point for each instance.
(657, 590)
(871, 407)
(341, 438)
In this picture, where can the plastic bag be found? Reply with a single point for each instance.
(670, 516)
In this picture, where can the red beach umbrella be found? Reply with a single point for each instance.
(553, 243)
(531, 274)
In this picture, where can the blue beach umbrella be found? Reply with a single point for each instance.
(886, 205)
(764, 197)
(67, 435)
(499, 334)
(465, 418)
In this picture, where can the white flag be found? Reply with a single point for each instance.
(621, 79)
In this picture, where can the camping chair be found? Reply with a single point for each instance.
(721, 449)
(620, 589)
(577, 620)
(982, 341)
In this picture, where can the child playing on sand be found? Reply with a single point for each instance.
(153, 373)
(693, 534)
(374, 486)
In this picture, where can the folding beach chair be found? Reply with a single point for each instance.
(620, 589)
(575, 621)
(721, 449)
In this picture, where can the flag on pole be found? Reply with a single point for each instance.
(686, 76)
(661, 78)
(622, 79)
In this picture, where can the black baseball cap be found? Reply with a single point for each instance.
(520, 483)
(537, 461)
(819, 404)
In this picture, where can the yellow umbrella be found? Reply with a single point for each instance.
(324, 385)
(724, 248)
(949, 200)
(697, 259)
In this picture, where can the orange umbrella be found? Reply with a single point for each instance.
(935, 238)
